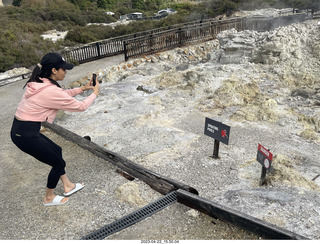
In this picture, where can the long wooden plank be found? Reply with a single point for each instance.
(233, 217)
(157, 182)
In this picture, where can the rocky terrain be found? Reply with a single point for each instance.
(265, 86)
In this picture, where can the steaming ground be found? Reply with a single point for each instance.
(264, 85)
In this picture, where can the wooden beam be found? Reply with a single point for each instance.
(157, 182)
(233, 217)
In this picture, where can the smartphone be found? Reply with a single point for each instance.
(94, 77)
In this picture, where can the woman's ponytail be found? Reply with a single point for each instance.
(38, 73)
(35, 75)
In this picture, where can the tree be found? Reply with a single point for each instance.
(138, 4)
(16, 3)
(82, 4)
(102, 4)
(152, 4)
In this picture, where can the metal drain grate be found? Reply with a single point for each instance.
(133, 217)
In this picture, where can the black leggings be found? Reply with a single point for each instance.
(27, 137)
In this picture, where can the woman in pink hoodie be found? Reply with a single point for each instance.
(41, 101)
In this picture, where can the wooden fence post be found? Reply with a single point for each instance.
(98, 49)
(150, 43)
(179, 37)
(125, 51)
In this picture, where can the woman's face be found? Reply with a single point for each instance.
(58, 74)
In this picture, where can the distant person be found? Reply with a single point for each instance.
(41, 101)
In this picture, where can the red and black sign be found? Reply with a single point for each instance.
(264, 157)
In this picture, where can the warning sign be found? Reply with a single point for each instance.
(264, 157)
(217, 130)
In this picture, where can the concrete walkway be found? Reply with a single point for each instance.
(101, 202)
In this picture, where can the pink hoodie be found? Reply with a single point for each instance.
(41, 101)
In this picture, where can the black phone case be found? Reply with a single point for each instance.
(94, 76)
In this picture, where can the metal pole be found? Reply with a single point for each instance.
(216, 149)
(263, 176)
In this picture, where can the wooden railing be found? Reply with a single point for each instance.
(178, 37)
(109, 47)
(165, 40)
(11, 79)
(161, 39)
(94, 51)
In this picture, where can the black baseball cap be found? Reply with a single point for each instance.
(54, 60)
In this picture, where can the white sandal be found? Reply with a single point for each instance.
(56, 201)
(78, 187)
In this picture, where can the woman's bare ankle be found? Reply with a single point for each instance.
(69, 187)
(48, 199)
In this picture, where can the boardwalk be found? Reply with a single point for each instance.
(161, 39)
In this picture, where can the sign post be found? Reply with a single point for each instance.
(264, 157)
(220, 132)
(216, 149)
